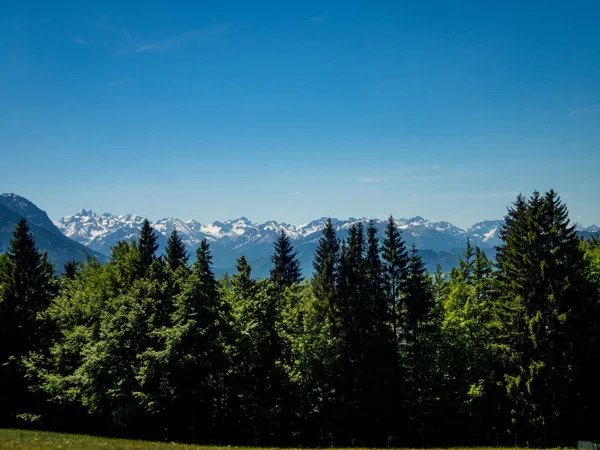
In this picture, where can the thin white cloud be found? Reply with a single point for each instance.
(370, 180)
(316, 19)
(79, 41)
(577, 112)
(436, 167)
(295, 193)
(136, 44)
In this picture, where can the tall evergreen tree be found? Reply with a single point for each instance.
(259, 379)
(419, 339)
(286, 266)
(379, 375)
(27, 287)
(203, 265)
(326, 264)
(377, 304)
(396, 261)
(193, 358)
(147, 246)
(542, 315)
(352, 287)
(177, 255)
(467, 262)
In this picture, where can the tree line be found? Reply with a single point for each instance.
(371, 350)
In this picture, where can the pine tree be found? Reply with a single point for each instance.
(286, 267)
(71, 268)
(325, 264)
(379, 375)
(203, 265)
(27, 287)
(147, 246)
(194, 350)
(177, 256)
(466, 263)
(242, 282)
(259, 379)
(418, 301)
(419, 340)
(352, 287)
(542, 316)
(377, 305)
(396, 260)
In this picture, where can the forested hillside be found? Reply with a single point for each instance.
(369, 349)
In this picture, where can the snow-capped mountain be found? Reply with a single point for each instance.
(486, 231)
(438, 242)
(232, 238)
(589, 229)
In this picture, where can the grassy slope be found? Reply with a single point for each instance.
(27, 439)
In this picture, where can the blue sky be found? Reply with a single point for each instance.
(293, 110)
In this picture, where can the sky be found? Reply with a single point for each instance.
(295, 110)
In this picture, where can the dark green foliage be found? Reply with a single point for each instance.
(176, 254)
(71, 268)
(146, 246)
(27, 286)
(258, 378)
(286, 266)
(373, 351)
(325, 276)
(396, 260)
(418, 344)
(545, 324)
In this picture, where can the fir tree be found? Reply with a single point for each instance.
(147, 246)
(177, 255)
(377, 305)
(286, 267)
(396, 260)
(542, 315)
(419, 341)
(203, 265)
(27, 287)
(71, 268)
(466, 263)
(325, 264)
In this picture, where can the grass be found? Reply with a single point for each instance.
(27, 439)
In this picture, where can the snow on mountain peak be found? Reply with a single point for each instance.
(241, 235)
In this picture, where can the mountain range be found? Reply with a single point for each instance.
(73, 236)
(438, 242)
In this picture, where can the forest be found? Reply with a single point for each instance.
(369, 349)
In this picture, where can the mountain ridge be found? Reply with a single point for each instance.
(48, 237)
(86, 231)
(438, 242)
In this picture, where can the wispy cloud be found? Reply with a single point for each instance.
(436, 167)
(295, 193)
(577, 112)
(119, 82)
(370, 180)
(316, 19)
(79, 41)
(136, 44)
